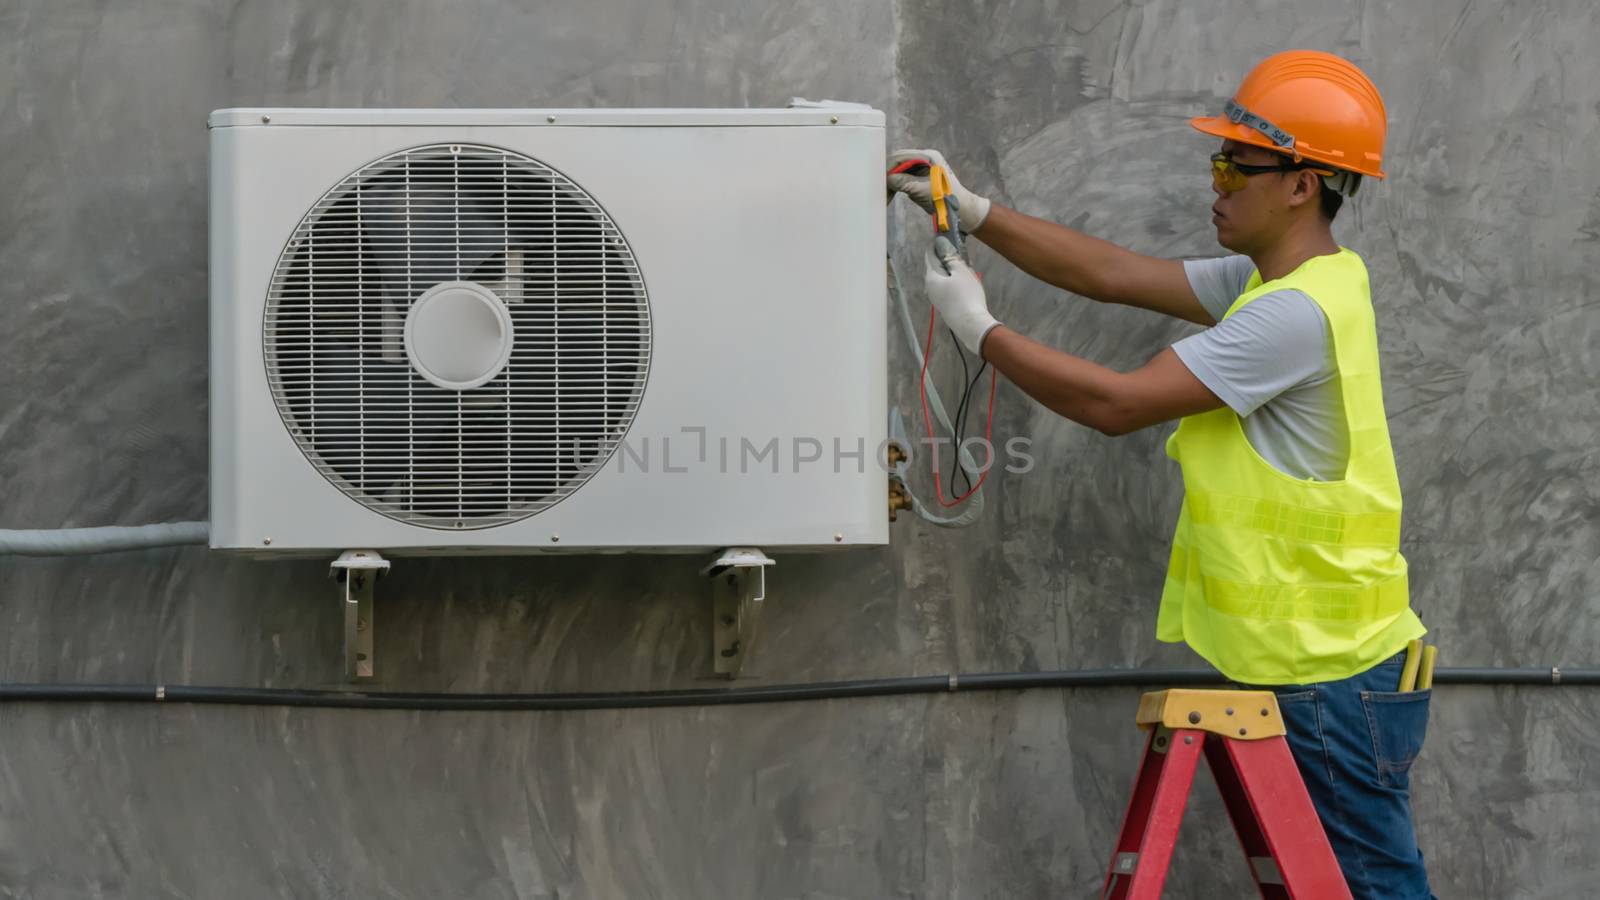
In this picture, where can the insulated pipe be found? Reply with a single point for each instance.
(875, 687)
(107, 539)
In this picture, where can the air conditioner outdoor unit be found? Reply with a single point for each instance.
(511, 331)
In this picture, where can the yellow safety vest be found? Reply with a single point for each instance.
(1280, 580)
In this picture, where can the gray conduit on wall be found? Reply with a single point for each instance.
(107, 539)
(876, 687)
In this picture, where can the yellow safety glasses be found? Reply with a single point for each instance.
(1229, 175)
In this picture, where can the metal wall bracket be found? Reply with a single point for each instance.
(357, 572)
(738, 589)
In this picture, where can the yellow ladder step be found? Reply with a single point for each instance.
(1241, 715)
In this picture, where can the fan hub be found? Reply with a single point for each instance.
(459, 335)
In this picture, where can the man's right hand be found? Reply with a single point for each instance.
(972, 209)
(1058, 255)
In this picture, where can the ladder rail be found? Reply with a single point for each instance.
(1155, 811)
(1282, 811)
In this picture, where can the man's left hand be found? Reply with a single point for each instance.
(958, 296)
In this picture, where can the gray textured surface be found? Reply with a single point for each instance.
(1483, 247)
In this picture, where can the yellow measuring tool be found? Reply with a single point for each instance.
(940, 186)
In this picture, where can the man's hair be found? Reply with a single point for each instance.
(1331, 201)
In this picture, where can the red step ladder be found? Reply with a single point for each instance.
(1241, 735)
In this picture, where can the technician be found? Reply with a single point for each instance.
(1286, 569)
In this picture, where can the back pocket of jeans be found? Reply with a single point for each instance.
(1399, 722)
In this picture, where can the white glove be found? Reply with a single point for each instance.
(959, 298)
(970, 208)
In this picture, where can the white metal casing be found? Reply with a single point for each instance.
(760, 238)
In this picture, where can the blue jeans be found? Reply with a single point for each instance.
(1354, 741)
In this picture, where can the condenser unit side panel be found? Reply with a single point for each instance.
(761, 250)
(225, 385)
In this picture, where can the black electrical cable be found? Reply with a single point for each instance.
(961, 417)
(783, 693)
(956, 432)
(959, 425)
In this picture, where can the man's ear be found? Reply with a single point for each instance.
(1307, 188)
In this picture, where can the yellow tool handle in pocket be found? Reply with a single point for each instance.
(1425, 673)
(1408, 677)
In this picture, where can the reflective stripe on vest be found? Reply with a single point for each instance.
(1281, 580)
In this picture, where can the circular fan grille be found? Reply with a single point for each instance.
(335, 336)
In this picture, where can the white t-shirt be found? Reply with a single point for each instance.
(1272, 364)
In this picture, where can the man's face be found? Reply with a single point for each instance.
(1248, 218)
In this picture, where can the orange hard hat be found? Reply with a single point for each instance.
(1307, 105)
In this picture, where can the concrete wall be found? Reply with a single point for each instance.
(1483, 249)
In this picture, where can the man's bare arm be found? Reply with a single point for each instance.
(1097, 269)
(1111, 402)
